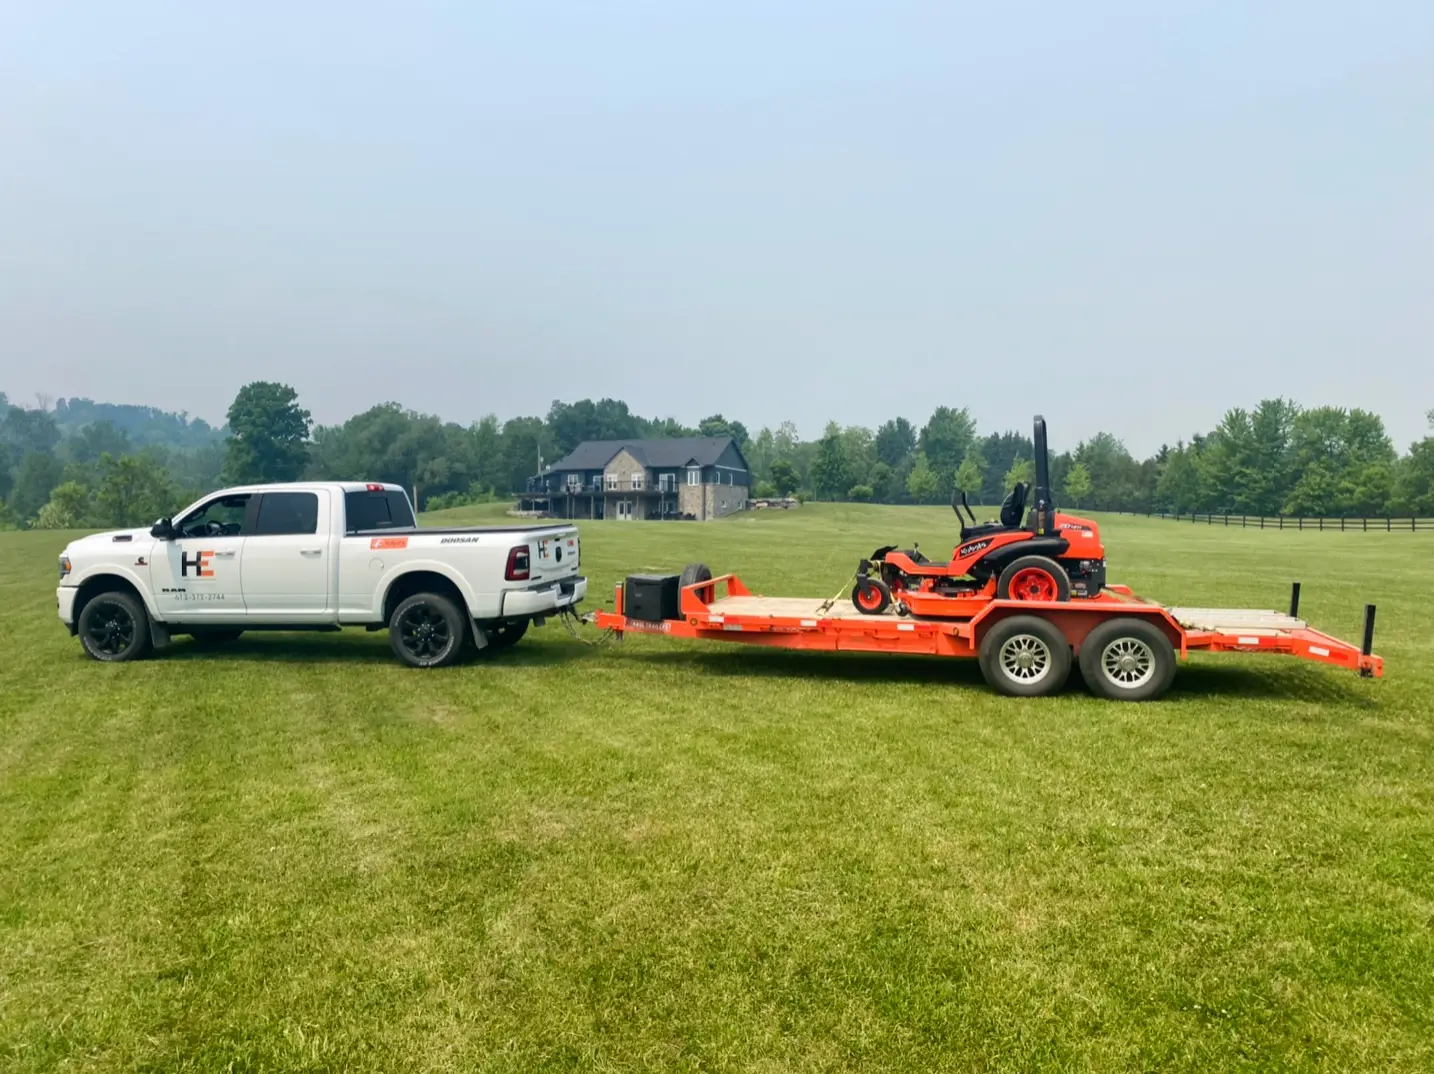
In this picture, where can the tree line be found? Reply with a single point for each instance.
(81, 464)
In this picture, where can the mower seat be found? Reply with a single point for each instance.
(1012, 508)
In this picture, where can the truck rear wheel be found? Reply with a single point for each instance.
(427, 631)
(114, 627)
(1127, 660)
(1025, 656)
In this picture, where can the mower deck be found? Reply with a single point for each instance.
(834, 625)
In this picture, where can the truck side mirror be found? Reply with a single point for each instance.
(163, 529)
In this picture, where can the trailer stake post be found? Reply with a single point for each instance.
(1367, 649)
(1295, 600)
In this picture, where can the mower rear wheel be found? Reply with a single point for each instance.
(871, 596)
(1025, 656)
(1034, 578)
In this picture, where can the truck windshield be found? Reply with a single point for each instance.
(386, 510)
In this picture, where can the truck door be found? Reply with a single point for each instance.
(195, 576)
(287, 559)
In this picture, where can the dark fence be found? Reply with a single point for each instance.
(1386, 523)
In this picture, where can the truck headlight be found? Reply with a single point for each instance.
(64, 567)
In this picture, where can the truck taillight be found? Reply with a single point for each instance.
(518, 564)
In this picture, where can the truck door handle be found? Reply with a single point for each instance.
(311, 551)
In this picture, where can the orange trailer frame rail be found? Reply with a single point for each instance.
(1124, 645)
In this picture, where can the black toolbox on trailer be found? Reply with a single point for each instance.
(652, 598)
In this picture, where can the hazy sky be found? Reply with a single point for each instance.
(1126, 215)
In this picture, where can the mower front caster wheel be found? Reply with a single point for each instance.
(871, 596)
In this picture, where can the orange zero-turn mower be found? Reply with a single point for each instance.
(1047, 557)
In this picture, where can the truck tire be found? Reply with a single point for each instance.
(1127, 659)
(427, 631)
(1034, 578)
(1025, 656)
(210, 638)
(506, 635)
(114, 627)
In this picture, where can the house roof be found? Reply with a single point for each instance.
(654, 454)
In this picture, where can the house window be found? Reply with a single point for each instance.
(667, 482)
(637, 482)
(575, 482)
(694, 475)
(611, 482)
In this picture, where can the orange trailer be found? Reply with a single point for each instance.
(1125, 646)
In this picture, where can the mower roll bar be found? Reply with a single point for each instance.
(1043, 510)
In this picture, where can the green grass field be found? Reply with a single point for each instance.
(296, 855)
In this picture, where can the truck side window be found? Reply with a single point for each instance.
(285, 513)
(223, 517)
(387, 510)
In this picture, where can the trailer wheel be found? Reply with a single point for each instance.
(871, 596)
(694, 573)
(1127, 660)
(1025, 656)
(1034, 578)
(427, 631)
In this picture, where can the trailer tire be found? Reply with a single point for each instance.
(1127, 659)
(114, 627)
(427, 630)
(694, 573)
(1025, 656)
(1034, 578)
(871, 596)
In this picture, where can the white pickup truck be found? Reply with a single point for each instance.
(316, 556)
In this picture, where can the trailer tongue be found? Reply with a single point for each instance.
(1125, 645)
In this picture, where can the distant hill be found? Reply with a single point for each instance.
(144, 425)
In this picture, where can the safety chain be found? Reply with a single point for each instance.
(571, 620)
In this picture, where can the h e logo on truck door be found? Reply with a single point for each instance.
(200, 563)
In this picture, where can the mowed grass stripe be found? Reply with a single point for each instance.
(294, 854)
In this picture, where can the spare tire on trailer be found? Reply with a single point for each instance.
(694, 573)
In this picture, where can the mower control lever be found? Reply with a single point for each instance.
(958, 501)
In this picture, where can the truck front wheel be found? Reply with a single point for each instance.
(114, 627)
(427, 631)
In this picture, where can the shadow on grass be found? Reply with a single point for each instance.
(278, 647)
(1289, 681)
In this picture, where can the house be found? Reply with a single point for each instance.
(694, 478)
